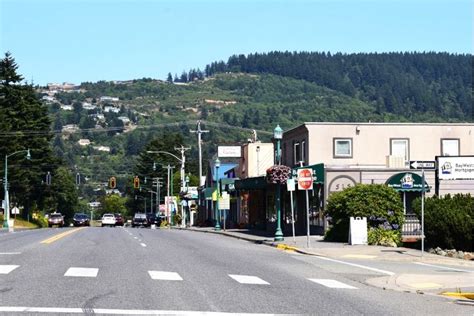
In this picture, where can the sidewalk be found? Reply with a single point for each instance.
(437, 283)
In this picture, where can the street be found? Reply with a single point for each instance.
(155, 271)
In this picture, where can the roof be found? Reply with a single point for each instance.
(222, 170)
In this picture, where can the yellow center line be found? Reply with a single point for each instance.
(61, 235)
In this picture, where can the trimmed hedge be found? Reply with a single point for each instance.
(449, 221)
(379, 203)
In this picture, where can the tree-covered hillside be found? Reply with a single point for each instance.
(437, 85)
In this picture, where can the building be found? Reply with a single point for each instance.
(102, 148)
(349, 153)
(84, 142)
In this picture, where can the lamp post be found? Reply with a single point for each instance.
(278, 135)
(6, 222)
(217, 163)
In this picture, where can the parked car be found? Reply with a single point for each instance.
(153, 219)
(108, 220)
(119, 219)
(139, 219)
(56, 219)
(81, 219)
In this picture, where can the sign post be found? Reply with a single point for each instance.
(305, 182)
(423, 213)
(290, 185)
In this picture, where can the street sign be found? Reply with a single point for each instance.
(417, 164)
(305, 179)
(290, 184)
(224, 201)
(15, 210)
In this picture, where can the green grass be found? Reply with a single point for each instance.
(21, 223)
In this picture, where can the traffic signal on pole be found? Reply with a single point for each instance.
(136, 182)
(112, 182)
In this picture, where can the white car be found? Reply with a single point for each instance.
(108, 220)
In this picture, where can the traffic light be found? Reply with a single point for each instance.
(136, 182)
(112, 182)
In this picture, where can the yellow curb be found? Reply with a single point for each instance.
(467, 295)
(61, 235)
(286, 247)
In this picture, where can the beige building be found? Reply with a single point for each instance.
(256, 158)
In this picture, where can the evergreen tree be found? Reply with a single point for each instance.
(170, 78)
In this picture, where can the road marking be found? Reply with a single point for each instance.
(135, 237)
(143, 245)
(5, 269)
(356, 265)
(247, 279)
(82, 272)
(163, 275)
(441, 267)
(10, 253)
(425, 285)
(64, 310)
(61, 235)
(333, 284)
(359, 256)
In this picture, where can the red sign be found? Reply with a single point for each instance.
(305, 179)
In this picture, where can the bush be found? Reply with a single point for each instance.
(164, 223)
(177, 219)
(449, 221)
(380, 204)
(384, 237)
(40, 220)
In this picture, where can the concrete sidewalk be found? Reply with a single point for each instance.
(408, 282)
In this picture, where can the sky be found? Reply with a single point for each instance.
(91, 40)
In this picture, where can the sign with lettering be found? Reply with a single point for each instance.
(229, 151)
(305, 179)
(456, 168)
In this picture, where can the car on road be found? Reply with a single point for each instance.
(81, 219)
(108, 219)
(56, 219)
(153, 219)
(139, 219)
(119, 221)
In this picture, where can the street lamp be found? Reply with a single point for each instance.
(217, 164)
(278, 135)
(6, 221)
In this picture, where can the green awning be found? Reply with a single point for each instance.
(208, 193)
(228, 184)
(407, 182)
(318, 172)
(256, 183)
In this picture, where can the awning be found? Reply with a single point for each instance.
(407, 182)
(228, 184)
(208, 193)
(256, 183)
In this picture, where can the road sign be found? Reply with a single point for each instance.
(417, 164)
(290, 184)
(224, 201)
(305, 179)
(15, 210)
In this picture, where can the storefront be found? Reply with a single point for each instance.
(410, 185)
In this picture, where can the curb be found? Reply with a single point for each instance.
(466, 295)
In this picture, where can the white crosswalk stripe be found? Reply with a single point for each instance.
(247, 279)
(164, 275)
(5, 269)
(82, 272)
(333, 284)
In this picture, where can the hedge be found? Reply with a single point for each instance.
(449, 221)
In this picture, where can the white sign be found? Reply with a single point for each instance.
(224, 201)
(456, 168)
(15, 210)
(229, 151)
(290, 184)
(358, 231)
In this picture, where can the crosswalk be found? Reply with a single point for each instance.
(87, 272)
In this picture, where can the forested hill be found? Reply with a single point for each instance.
(436, 84)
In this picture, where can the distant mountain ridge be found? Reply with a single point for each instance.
(438, 85)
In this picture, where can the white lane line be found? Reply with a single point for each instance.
(135, 237)
(82, 272)
(5, 269)
(10, 253)
(441, 267)
(356, 265)
(247, 279)
(333, 284)
(143, 245)
(64, 310)
(164, 275)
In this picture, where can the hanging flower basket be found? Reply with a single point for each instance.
(278, 174)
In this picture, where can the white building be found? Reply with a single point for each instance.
(84, 142)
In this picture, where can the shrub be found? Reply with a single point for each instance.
(380, 204)
(40, 220)
(384, 237)
(449, 221)
(164, 223)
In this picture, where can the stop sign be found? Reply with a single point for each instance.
(305, 179)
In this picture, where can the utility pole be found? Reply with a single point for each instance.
(182, 149)
(199, 131)
(158, 197)
(169, 169)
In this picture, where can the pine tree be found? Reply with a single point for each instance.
(170, 78)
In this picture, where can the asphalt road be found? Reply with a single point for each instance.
(144, 271)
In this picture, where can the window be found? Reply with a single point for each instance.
(400, 147)
(449, 147)
(296, 153)
(303, 151)
(342, 147)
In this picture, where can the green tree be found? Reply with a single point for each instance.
(62, 196)
(113, 203)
